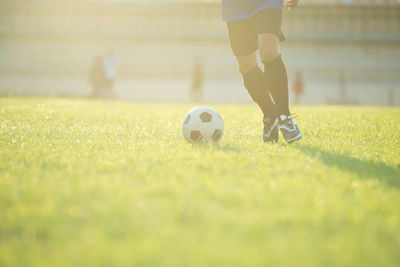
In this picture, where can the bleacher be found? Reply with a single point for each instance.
(326, 38)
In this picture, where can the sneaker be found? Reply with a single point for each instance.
(289, 129)
(271, 133)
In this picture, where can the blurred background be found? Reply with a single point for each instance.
(337, 51)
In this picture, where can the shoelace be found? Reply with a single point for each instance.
(290, 122)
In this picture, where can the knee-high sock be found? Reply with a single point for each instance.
(254, 81)
(277, 82)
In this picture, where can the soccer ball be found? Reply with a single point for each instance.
(203, 125)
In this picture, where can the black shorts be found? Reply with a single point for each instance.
(243, 34)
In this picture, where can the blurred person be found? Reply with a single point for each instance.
(298, 87)
(256, 25)
(96, 76)
(391, 97)
(110, 64)
(342, 87)
(196, 89)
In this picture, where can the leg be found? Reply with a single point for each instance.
(243, 38)
(275, 71)
(109, 89)
(254, 82)
(276, 77)
(247, 63)
(95, 92)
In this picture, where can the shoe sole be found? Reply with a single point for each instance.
(271, 141)
(295, 138)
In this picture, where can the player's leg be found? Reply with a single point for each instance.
(254, 82)
(244, 43)
(275, 71)
(95, 91)
(276, 77)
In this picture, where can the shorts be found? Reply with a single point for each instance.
(243, 34)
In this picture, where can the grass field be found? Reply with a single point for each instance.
(93, 183)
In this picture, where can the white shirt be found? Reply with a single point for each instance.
(110, 67)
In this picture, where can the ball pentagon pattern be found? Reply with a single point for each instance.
(203, 125)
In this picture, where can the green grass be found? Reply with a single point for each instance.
(93, 183)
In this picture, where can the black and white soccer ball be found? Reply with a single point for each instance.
(203, 125)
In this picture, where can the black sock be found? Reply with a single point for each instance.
(277, 81)
(254, 81)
